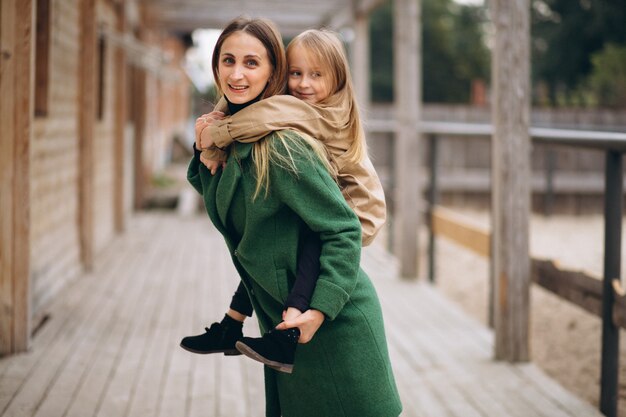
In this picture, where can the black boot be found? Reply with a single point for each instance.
(220, 338)
(276, 349)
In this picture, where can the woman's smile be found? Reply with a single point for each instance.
(244, 68)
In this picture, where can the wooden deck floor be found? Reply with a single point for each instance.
(110, 346)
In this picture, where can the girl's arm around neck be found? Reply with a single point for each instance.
(271, 114)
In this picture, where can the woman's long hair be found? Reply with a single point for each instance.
(264, 152)
(326, 49)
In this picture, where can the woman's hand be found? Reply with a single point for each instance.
(204, 141)
(308, 323)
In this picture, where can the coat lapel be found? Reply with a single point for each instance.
(230, 179)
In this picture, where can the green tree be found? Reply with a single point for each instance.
(565, 34)
(381, 53)
(453, 51)
(608, 77)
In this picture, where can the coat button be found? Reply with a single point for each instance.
(236, 253)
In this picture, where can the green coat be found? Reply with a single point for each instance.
(345, 370)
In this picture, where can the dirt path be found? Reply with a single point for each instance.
(565, 340)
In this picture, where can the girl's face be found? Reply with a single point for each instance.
(308, 80)
(244, 67)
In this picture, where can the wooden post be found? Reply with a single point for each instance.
(17, 22)
(511, 178)
(86, 125)
(139, 102)
(119, 219)
(361, 62)
(407, 156)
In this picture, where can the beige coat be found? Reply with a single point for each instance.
(359, 183)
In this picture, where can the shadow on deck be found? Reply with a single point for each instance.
(111, 349)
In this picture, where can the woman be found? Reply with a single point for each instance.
(264, 201)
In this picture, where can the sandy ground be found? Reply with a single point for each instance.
(565, 340)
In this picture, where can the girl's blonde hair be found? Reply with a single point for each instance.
(326, 49)
(264, 152)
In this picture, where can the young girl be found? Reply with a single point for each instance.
(318, 76)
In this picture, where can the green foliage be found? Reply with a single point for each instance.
(608, 78)
(565, 35)
(381, 53)
(453, 51)
(162, 180)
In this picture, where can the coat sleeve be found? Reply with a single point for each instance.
(315, 197)
(271, 114)
(363, 191)
(193, 171)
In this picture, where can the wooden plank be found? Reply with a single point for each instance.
(152, 288)
(21, 198)
(463, 361)
(41, 371)
(118, 388)
(55, 329)
(16, 116)
(139, 112)
(467, 180)
(175, 385)
(87, 114)
(97, 334)
(407, 96)
(574, 406)
(619, 306)
(361, 61)
(467, 362)
(476, 239)
(204, 373)
(148, 375)
(119, 126)
(7, 172)
(510, 174)
(576, 287)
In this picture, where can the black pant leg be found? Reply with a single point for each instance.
(307, 273)
(241, 301)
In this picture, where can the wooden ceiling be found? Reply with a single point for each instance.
(291, 16)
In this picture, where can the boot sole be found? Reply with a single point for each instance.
(245, 349)
(226, 352)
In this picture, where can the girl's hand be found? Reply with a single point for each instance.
(211, 164)
(308, 323)
(203, 141)
(201, 123)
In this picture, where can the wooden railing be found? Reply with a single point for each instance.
(603, 297)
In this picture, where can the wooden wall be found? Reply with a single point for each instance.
(66, 182)
(55, 247)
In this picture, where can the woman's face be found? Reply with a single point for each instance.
(244, 67)
(308, 79)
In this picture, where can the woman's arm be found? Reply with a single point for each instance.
(316, 198)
